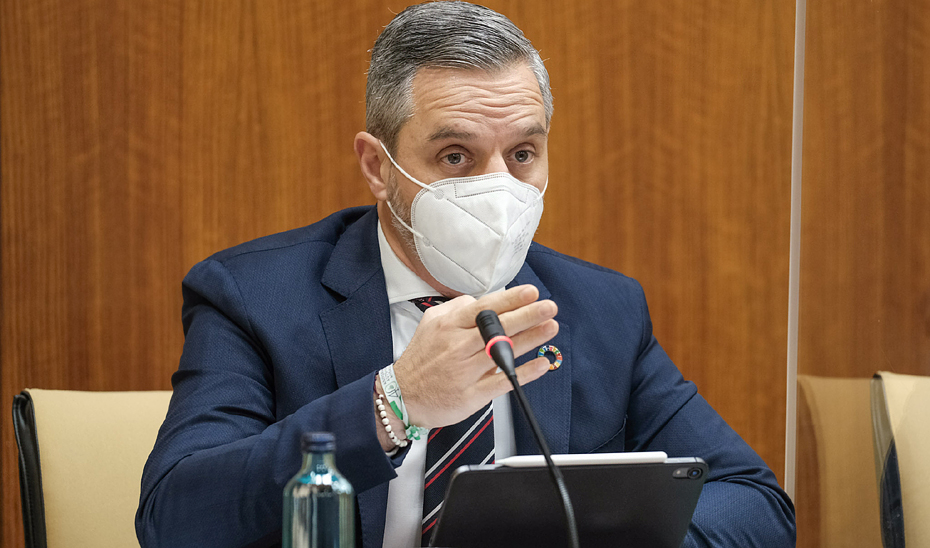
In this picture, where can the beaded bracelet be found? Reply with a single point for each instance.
(387, 423)
(396, 401)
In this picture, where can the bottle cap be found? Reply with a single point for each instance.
(318, 442)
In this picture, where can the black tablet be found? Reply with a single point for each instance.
(630, 500)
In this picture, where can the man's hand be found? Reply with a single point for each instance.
(445, 374)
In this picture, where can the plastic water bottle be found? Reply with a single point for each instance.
(319, 503)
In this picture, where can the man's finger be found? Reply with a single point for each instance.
(529, 316)
(532, 338)
(498, 383)
(450, 306)
(500, 302)
(528, 327)
(532, 370)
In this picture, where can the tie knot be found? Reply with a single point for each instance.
(423, 303)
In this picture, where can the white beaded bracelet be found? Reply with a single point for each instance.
(396, 401)
(382, 410)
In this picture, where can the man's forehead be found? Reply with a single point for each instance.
(455, 103)
(506, 80)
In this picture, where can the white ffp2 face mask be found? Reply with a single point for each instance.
(472, 233)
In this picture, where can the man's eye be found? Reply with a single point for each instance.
(454, 158)
(522, 156)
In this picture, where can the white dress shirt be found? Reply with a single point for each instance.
(402, 524)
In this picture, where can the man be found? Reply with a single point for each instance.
(320, 328)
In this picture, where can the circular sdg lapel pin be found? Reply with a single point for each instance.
(554, 352)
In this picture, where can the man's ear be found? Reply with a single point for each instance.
(370, 158)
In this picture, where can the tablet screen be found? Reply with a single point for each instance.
(630, 504)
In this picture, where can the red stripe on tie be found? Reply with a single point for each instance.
(448, 464)
(495, 340)
(430, 526)
(433, 434)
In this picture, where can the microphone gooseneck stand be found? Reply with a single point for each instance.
(500, 348)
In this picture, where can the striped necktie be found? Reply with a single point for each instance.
(425, 303)
(468, 442)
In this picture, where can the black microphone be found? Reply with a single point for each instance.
(497, 344)
(500, 348)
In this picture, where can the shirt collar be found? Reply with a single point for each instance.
(402, 283)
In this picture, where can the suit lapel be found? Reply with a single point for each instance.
(358, 331)
(550, 396)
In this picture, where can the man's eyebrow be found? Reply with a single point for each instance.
(449, 133)
(535, 130)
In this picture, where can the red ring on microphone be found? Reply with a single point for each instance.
(496, 340)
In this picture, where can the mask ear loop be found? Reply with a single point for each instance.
(408, 227)
(405, 174)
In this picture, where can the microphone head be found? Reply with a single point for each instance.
(489, 325)
(497, 344)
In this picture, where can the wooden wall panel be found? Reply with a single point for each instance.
(274, 93)
(670, 153)
(865, 252)
(865, 279)
(139, 137)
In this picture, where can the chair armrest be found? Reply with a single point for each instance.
(30, 473)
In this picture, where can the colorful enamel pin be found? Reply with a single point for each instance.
(555, 352)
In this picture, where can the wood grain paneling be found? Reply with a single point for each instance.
(139, 137)
(865, 278)
(671, 163)
(90, 193)
(865, 266)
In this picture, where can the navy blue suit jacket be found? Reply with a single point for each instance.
(285, 333)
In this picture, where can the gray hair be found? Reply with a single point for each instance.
(447, 34)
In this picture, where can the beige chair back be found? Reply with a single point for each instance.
(92, 448)
(837, 499)
(901, 415)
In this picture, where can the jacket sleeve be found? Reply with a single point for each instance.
(742, 504)
(216, 474)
